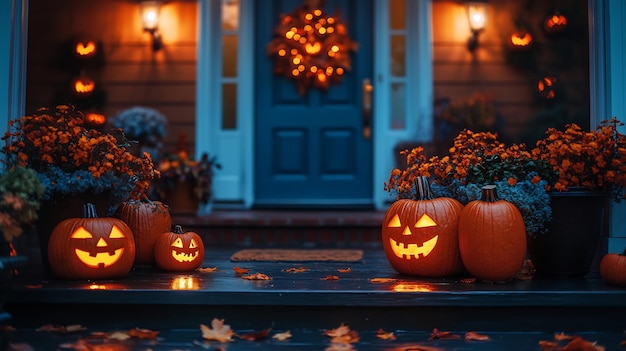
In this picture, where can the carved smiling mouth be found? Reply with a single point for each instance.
(410, 251)
(99, 260)
(184, 257)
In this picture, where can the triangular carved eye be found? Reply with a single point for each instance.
(81, 233)
(394, 222)
(116, 233)
(193, 244)
(425, 221)
(178, 243)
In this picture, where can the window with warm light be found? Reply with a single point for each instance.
(397, 62)
(230, 43)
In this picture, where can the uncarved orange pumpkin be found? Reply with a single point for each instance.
(492, 237)
(420, 236)
(91, 247)
(148, 221)
(613, 268)
(179, 251)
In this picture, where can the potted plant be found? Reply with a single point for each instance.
(144, 126)
(186, 184)
(75, 165)
(590, 169)
(477, 159)
(20, 195)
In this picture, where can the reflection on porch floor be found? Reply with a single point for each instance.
(515, 315)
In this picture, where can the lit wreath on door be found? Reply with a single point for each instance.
(311, 48)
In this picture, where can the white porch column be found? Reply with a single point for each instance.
(607, 50)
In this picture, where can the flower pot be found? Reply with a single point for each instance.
(579, 219)
(181, 199)
(61, 207)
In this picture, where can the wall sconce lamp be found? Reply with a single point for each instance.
(150, 21)
(477, 16)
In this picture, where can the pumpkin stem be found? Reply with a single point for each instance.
(422, 189)
(488, 193)
(178, 229)
(89, 210)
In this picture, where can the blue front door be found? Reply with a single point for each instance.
(313, 149)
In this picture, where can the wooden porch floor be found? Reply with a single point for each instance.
(515, 315)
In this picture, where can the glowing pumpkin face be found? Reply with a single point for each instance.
(420, 236)
(179, 251)
(85, 49)
(91, 247)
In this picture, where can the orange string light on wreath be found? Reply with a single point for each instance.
(311, 47)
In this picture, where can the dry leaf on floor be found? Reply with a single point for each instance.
(207, 269)
(282, 336)
(331, 277)
(475, 336)
(82, 345)
(436, 334)
(218, 331)
(257, 335)
(239, 270)
(62, 329)
(344, 270)
(339, 346)
(468, 280)
(562, 336)
(256, 276)
(342, 334)
(295, 270)
(385, 335)
(580, 344)
(145, 334)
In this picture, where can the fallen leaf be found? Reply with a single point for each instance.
(62, 329)
(382, 280)
(295, 270)
(218, 331)
(241, 270)
(282, 336)
(545, 345)
(207, 269)
(82, 345)
(385, 335)
(436, 334)
(342, 334)
(344, 270)
(256, 276)
(145, 334)
(118, 335)
(258, 335)
(580, 344)
(475, 336)
(331, 277)
(468, 280)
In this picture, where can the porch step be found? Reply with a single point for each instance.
(286, 228)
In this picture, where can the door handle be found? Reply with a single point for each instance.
(367, 88)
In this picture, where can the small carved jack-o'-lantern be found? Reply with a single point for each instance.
(555, 22)
(91, 247)
(492, 237)
(546, 87)
(420, 236)
(85, 49)
(521, 40)
(179, 251)
(83, 86)
(95, 119)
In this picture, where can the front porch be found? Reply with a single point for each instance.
(515, 315)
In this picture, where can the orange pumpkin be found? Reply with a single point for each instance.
(613, 269)
(91, 247)
(179, 251)
(148, 221)
(492, 237)
(420, 236)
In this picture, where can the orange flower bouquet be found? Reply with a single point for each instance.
(70, 159)
(593, 160)
(475, 160)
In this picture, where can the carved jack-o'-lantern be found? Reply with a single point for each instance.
(546, 87)
(179, 251)
(521, 40)
(555, 23)
(85, 49)
(91, 247)
(420, 236)
(83, 86)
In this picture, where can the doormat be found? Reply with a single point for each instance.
(298, 255)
